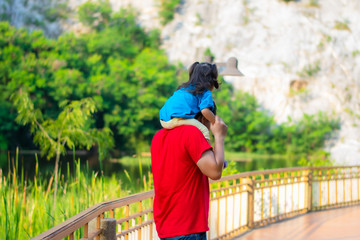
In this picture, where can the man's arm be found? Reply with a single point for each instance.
(211, 163)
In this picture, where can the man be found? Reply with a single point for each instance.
(182, 160)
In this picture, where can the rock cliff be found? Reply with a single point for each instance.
(298, 57)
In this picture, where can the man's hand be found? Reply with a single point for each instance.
(219, 128)
(211, 163)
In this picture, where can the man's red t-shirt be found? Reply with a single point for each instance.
(181, 203)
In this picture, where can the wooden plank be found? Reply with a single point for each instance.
(133, 216)
(137, 227)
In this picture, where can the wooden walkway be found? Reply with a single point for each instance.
(341, 223)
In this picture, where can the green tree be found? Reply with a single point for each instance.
(117, 66)
(310, 133)
(133, 95)
(95, 14)
(167, 10)
(249, 126)
(252, 129)
(70, 129)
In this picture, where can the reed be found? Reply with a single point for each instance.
(26, 204)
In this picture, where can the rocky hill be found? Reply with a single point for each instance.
(298, 57)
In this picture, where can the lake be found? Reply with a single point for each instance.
(131, 169)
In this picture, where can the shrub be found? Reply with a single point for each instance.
(167, 10)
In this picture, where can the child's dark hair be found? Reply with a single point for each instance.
(202, 76)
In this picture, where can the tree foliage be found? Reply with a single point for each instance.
(95, 14)
(252, 129)
(69, 129)
(122, 69)
(167, 10)
(118, 65)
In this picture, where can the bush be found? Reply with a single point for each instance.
(252, 129)
(119, 65)
(167, 10)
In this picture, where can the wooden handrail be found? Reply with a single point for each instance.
(70, 225)
(277, 170)
(250, 199)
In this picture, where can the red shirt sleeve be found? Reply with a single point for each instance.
(196, 143)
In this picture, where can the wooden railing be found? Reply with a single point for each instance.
(238, 203)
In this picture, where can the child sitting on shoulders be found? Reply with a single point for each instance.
(192, 97)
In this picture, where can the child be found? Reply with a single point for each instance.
(191, 98)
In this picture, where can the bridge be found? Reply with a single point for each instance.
(340, 223)
(241, 205)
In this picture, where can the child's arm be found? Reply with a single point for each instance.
(207, 113)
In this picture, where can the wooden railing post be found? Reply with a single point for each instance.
(92, 226)
(127, 213)
(108, 226)
(151, 217)
(250, 201)
(309, 193)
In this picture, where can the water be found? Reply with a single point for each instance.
(135, 167)
(27, 162)
(265, 163)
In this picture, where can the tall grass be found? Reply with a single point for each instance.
(26, 204)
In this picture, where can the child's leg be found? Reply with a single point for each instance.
(197, 124)
(170, 124)
(175, 122)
